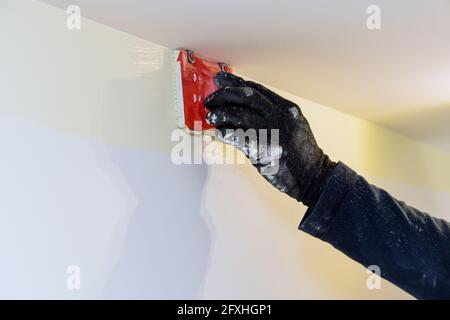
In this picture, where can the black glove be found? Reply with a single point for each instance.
(295, 165)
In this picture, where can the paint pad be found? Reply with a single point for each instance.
(193, 82)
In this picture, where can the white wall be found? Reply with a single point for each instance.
(87, 179)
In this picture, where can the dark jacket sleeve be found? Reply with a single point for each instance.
(411, 248)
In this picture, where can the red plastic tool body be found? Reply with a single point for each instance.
(198, 82)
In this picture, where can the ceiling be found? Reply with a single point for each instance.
(398, 76)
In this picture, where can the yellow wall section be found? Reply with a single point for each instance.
(376, 151)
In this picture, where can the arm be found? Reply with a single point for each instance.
(411, 248)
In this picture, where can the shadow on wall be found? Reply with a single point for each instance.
(167, 241)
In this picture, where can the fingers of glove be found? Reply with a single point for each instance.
(225, 79)
(240, 96)
(245, 141)
(235, 116)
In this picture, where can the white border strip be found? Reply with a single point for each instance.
(179, 98)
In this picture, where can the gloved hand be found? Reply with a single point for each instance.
(301, 168)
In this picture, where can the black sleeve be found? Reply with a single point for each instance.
(411, 248)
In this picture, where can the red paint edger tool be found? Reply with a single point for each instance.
(194, 82)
